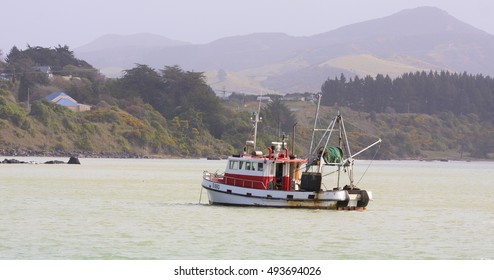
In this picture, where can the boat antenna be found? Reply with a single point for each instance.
(256, 119)
(293, 140)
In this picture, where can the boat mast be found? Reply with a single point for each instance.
(315, 121)
(349, 162)
(339, 121)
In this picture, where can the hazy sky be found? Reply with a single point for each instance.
(48, 23)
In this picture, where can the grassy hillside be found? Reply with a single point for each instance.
(365, 64)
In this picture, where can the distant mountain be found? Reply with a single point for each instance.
(117, 52)
(140, 40)
(424, 38)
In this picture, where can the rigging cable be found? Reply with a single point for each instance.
(375, 154)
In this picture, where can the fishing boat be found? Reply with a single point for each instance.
(274, 178)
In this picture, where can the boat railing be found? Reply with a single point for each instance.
(230, 180)
(245, 183)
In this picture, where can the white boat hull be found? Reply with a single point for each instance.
(219, 193)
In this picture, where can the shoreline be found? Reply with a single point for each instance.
(26, 153)
(77, 154)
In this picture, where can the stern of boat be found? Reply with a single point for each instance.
(356, 200)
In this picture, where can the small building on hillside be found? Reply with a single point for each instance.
(264, 98)
(45, 70)
(63, 99)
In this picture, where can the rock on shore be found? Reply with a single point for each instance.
(72, 160)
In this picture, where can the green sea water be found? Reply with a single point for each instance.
(154, 209)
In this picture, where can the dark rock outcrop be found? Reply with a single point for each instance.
(73, 160)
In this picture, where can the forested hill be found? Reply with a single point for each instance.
(420, 92)
(173, 112)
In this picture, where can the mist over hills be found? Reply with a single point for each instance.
(424, 38)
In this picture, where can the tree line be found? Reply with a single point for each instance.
(24, 66)
(60, 59)
(420, 92)
(175, 92)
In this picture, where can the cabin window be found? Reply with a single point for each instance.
(260, 166)
(240, 165)
(234, 164)
(247, 165)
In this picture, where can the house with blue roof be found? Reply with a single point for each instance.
(63, 99)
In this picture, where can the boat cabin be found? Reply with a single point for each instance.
(275, 171)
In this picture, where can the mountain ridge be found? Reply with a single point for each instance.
(420, 39)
